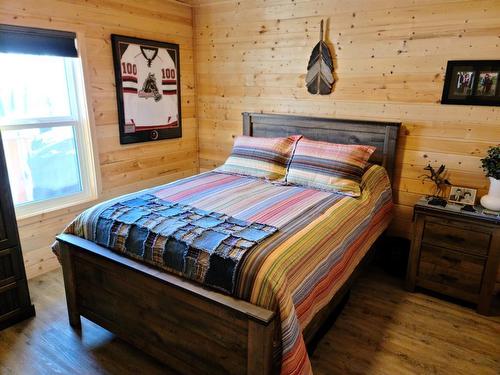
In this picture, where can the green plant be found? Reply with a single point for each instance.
(438, 177)
(491, 163)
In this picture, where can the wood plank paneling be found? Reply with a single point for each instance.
(251, 55)
(390, 59)
(122, 168)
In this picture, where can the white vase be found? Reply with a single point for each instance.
(491, 201)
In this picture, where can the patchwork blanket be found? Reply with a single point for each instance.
(200, 245)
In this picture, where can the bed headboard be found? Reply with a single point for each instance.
(382, 135)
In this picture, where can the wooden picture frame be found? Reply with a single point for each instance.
(462, 195)
(148, 89)
(472, 82)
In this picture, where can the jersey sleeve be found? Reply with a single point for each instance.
(169, 75)
(129, 82)
(129, 71)
(169, 86)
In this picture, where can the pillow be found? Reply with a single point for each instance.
(329, 166)
(260, 157)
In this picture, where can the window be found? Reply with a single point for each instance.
(45, 131)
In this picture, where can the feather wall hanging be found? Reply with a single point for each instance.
(319, 78)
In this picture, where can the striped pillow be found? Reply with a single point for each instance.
(260, 157)
(329, 166)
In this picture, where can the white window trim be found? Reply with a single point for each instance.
(83, 139)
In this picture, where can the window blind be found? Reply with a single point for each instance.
(34, 41)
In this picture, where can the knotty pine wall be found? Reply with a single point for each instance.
(251, 55)
(390, 61)
(122, 169)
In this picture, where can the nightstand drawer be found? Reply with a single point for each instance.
(454, 236)
(456, 270)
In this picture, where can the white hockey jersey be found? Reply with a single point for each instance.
(149, 83)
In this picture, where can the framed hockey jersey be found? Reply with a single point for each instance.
(148, 89)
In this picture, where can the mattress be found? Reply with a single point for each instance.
(320, 239)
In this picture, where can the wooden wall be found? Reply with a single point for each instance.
(251, 55)
(390, 61)
(122, 168)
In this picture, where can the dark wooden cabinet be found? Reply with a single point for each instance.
(455, 253)
(15, 303)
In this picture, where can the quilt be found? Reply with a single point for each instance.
(199, 245)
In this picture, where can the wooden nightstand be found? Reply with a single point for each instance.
(455, 253)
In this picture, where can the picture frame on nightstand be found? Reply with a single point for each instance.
(462, 195)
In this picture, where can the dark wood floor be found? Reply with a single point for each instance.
(382, 330)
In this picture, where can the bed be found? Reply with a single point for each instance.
(263, 324)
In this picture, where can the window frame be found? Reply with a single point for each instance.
(79, 120)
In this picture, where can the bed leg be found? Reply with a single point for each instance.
(70, 286)
(260, 348)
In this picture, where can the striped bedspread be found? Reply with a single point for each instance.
(321, 238)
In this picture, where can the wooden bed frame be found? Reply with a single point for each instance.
(194, 330)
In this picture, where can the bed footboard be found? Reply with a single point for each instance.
(191, 329)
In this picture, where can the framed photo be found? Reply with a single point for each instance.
(148, 89)
(462, 195)
(472, 82)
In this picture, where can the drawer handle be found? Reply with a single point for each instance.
(451, 259)
(448, 278)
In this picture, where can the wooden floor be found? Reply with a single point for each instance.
(382, 330)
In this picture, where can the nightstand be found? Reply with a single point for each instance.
(455, 253)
